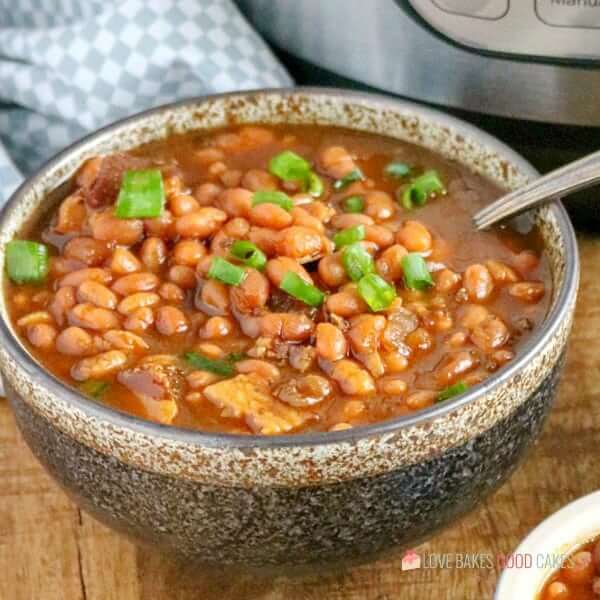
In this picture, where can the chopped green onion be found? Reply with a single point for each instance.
(397, 170)
(346, 180)
(272, 197)
(142, 195)
(201, 362)
(26, 262)
(353, 204)
(421, 189)
(295, 286)
(236, 356)
(376, 292)
(249, 254)
(454, 390)
(289, 166)
(224, 271)
(94, 388)
(357, 261)
(314, 185)
(349, 236)
(416, 273)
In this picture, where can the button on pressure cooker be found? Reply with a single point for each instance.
(482, 9)
(566, 13)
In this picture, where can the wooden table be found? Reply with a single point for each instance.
(49, 550)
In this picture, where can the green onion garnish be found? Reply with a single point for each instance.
(224, 271)
(349, 236)
(295, 286)
(376, 292)
(346, 180)
(314, 185)
(454, 390)
(421, 189)
(272, 197)
(353, 204)
(249, 254)
(236, 356)
(219, 367)
(397, 170)
(142, 195)
(289, 166)
(94, 388)
(26, 262)
(357, 261)
(416, 273)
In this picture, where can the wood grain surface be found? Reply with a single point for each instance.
(49, 550)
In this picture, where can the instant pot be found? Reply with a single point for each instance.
(525, 59)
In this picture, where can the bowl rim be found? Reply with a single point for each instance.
(104, 412)
(535, 542)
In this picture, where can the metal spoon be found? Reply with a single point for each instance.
(574, 176)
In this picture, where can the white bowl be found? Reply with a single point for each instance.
(541, 552)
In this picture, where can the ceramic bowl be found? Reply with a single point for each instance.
(541, 552)
(293, 499)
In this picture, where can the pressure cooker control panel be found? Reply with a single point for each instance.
(566, 29)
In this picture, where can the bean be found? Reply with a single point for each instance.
(501, 357)
(211, 350)
(446, 281)
(74, 341)
(320, 211)
(336, 161)
(579, 569)
(414, 236)
(257, 179)
(380, 235)
(395, 362)
(389, 263)
(352, 380)
(71, 214)
(392, 386)
(251, 294)
(60, 266)
(287, 326)
(437, 320)
(346, 304)
(96, 293)
(302, 358)
(205, 156)
(420, 340)
(198, 380)
(216, 295)
(183, 204)
(124, 262)
(188, 252)
(86, 249)
(270, 215)
(133, 302)
(421, 399)
(500, 272)
(228, 141)
(253, 136)
(237, 228)
(303, 218)
(379, 205)
(299, 242)
(92, 317)
(262, 368)
(153, 253)
(478, 282)
(140, 319)
(173, 185)
(171, 292)
(345, 221)
(216, 327)
(330, 342)
(331, 270)
(277, 269)
(136, 282)
(525, 262)
(236, 202)
(99, 366)
(527, 291)
(265, 239)
(489, 334)
(170, 320)
(76, 278)
(161, 227)
(183, 276)
(106, 227)
(216, 169)
(39, 316)
(365, 333)
(63, 300)
(200, 224)
(231, 178)
(125, 340)
(472, 315)
(41, 335)
(340, 427)
(88, 171)
(453, 366)
(206, 194)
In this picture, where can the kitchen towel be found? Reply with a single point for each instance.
(68, 67)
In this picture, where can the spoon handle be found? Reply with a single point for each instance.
(572, 177)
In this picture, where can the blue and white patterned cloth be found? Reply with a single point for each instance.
(70, 66)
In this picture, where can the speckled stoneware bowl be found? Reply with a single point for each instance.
(293, 500)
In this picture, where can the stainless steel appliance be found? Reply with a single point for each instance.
(526, 59)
